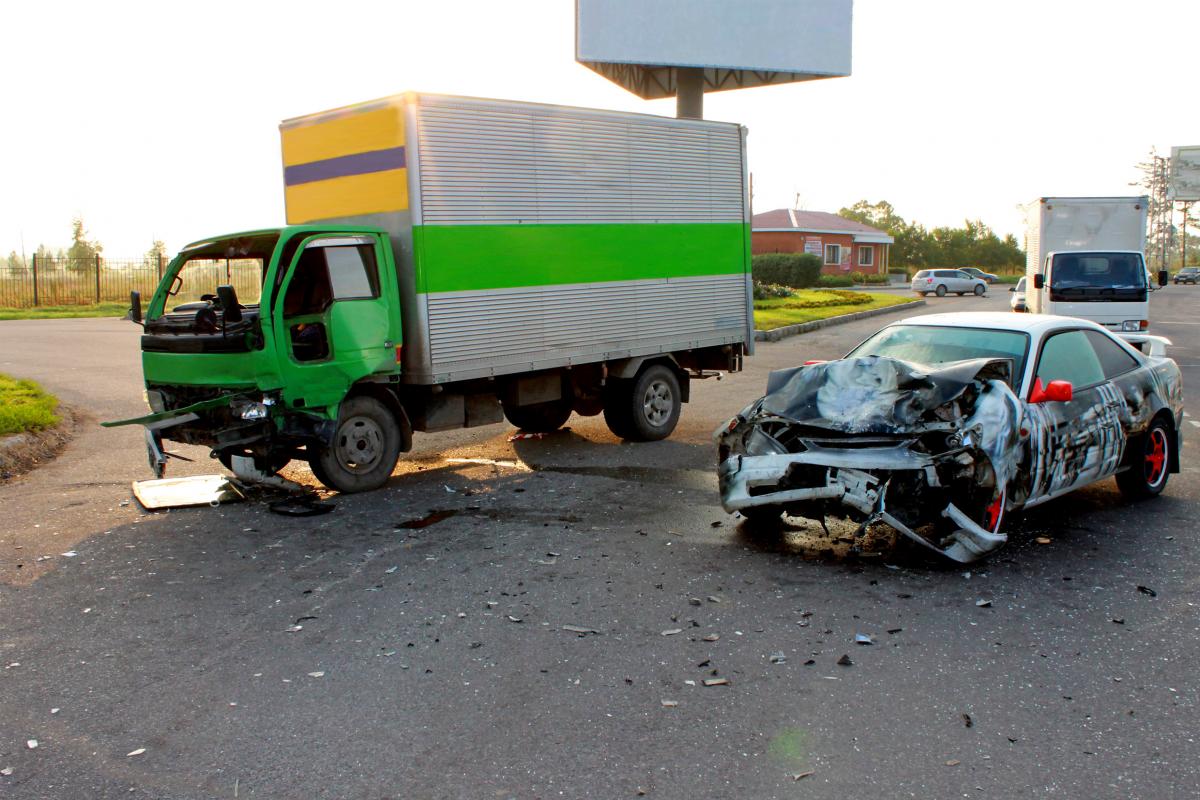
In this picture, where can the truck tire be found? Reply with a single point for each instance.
(364, 449)
(1149, 462)
(650, 405)
(940, 291)
(541, 417)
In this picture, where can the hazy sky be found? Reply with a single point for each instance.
(159, 120)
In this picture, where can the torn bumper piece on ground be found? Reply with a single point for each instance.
(929, 452)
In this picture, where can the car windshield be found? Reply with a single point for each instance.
(930, 344)
(1021, 285)
(239, 263)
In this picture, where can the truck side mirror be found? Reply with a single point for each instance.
(1162, 278)
(135, 306)
(1039, 281)
(1012, 288)
(229, 304)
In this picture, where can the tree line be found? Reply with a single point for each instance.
(972, 245)
(81, 254)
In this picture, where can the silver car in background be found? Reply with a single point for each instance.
(1017, 301)
(943, 281)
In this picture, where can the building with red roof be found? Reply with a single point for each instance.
(844, 245)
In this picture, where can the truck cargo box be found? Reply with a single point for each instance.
(532, 236)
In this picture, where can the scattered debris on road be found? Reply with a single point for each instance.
(862, 638)
(1147, 591)
(580, 630)
(137, 752)
(199, 490)
(845, 661)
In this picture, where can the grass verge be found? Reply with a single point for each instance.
(25, 406)
(65, 312)
(806, 305)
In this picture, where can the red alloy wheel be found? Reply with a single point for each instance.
(1156, 457)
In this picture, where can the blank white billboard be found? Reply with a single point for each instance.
(738, 44)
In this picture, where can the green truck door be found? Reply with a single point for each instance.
(333, 326)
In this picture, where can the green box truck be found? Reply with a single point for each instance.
(449, 262)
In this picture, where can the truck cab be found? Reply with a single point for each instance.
(257, 337)
(1110, 287)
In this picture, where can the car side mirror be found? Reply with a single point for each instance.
(1012, 288)
(135, 306)
(1052, 392)
(1039, 281)
(229, 304)
(1162, 278)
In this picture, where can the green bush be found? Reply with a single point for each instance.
(835, 280)
(797, 270)
(874, 279)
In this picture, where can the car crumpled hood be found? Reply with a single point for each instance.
(869, 394)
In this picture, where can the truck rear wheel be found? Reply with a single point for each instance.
(646, 408)
(540, 417)
(364, 449)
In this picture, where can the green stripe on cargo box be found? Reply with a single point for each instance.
(455, 258)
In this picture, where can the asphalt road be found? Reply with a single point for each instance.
(231, 652)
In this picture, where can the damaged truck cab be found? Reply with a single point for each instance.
(553, 261)
(252, 341)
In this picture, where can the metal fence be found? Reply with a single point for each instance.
(73, 281)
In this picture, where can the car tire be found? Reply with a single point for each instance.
(940, 291)
(980, 289)
(364, 450)
(541, 417)
(646, 408)
(1149, 462)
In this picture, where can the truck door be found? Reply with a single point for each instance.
(333, 327)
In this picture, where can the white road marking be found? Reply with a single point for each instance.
(1194, 422)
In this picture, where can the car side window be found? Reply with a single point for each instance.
(1069, 356)
(1114, 360)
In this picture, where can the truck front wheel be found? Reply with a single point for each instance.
(646, 408)
(364, 450)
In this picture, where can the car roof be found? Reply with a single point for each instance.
(1034, 324)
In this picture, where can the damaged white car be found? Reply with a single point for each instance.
(940, 425)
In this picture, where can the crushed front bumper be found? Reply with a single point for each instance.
(759, 481)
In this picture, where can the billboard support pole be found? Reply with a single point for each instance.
(689, 93)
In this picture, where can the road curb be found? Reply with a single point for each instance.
(775, 334)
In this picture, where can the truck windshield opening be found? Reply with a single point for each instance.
(1097, 277)
(240, 263)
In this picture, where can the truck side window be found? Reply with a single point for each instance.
(352, 271)
(309, 291)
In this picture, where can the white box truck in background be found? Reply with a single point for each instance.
(1085, 258)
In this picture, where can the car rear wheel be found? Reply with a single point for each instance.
(979, 290)
(1149, 462)
(940, 291)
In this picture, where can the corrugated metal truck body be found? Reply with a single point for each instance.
(530, 236)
